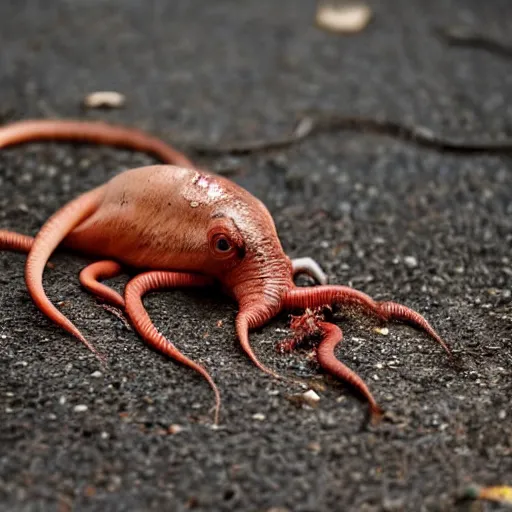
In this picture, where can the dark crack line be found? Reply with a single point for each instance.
(314, 124)
(460, 35)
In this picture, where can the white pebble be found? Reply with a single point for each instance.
(350, 18)
(411, 261)
(258, 416)
(311, 398)
(175, 429)
(104, 99)
(502, 414)
(80, 408)
(97, 374)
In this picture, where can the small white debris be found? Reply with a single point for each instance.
(411, 261)
(8, 410)
(379, 366)
(97, 374)
(104, 435)
(104, 99)
(381, 330)
(258, 416)
(62, 400)
(194, 204)
(375, 377)
(80, 408)
(10, 394)
(52, 416)
(311, 398)
(174, 429)
(314, 447)
(21, 363)
(347, 18)
(502, 414)
(3, 336)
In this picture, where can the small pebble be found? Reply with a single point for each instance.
(174, 429)
(258, 416)
(104, 435)
(104, 99)
(347, 17)
(502, 414)
(411, 261)
(97, 374)
(80, 408)
(314, 447)
(381, 330)
(311, 398)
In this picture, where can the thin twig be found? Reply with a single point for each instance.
(313, 124)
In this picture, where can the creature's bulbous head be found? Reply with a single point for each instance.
(244, 247)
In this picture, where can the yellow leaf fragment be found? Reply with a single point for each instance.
(498, 493)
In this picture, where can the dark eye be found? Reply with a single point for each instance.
(222, 245)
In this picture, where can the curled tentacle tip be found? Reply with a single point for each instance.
(376, 415)
(102, 360)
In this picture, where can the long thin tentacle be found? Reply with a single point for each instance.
(46, 241)
(11, 241)
(344, 296)
(153, 280)
(252, 318)
(332, 335)
(96, 132)
(105, 269)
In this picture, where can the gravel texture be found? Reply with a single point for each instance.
(433, 231)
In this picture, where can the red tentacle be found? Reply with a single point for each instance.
(10, 241)
(49, 237)
(106, 269)
(134, 292)
(96, 132)
(251, 318)
(344, 296)
(332, 336)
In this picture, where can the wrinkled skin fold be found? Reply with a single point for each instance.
(182, 227)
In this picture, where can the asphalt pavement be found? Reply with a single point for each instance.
(397, 221)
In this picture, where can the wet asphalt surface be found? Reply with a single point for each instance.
(399, 222)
